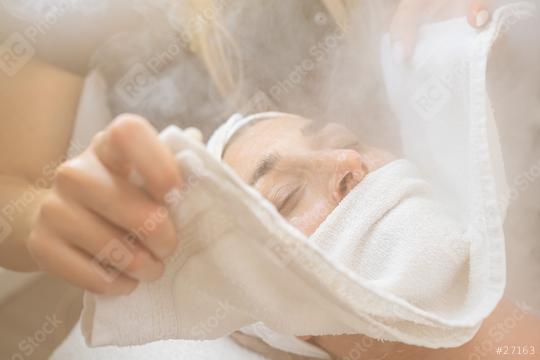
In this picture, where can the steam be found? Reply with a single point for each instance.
(296, 60)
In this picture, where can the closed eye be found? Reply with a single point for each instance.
(285, 203)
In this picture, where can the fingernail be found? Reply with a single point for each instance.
(398, 53)
(152, 270)
(482, 18)
(166, 241)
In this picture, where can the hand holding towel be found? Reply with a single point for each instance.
(393, 261)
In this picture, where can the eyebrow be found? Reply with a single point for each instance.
(264, 166)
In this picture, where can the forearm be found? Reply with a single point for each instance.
(38, 106)
(507, 326)
(19, 204)
(37, 110)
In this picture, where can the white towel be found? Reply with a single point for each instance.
(74, 347)
(380, 265)
(390, 261)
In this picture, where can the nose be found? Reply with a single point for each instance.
(350, 169)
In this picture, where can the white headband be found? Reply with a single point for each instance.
(221, 136)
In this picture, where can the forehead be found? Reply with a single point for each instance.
(256, 141)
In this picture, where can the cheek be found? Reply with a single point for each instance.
(311, 217)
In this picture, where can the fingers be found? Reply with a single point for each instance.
(410, 15)
(103, 242)
(56, 257)
(479, 13)
(98, 230)
(87, 182)
(404, 28)
(131, 143)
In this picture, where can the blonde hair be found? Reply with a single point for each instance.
(216, 48)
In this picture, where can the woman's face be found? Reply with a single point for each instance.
(303, 168)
